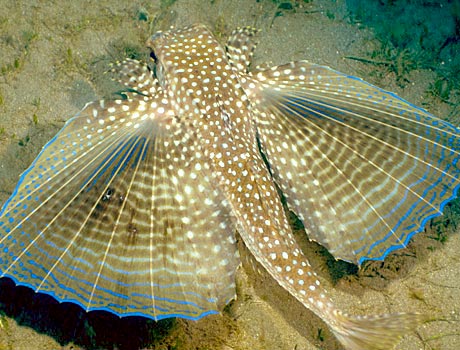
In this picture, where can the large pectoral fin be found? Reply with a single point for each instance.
(362, 168)
(119, 212)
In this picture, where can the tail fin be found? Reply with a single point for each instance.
(375, 332)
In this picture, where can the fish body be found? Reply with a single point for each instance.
(133, 206)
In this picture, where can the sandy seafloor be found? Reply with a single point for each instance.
(52, 58)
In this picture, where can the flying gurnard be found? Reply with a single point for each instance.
(134, 206)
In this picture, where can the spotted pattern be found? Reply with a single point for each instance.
(133, 206)
(363, 169)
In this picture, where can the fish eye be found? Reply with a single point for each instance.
(153, 56)
(153, 65)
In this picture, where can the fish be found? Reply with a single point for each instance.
(136, 205)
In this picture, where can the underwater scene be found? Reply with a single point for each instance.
(168, 181)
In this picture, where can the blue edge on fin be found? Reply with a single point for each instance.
(70, 300)
(210, 312)
(443, 203)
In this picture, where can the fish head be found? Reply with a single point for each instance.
(190, 66)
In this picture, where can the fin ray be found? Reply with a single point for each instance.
(108, 218)
(363, 169)
(375, 332)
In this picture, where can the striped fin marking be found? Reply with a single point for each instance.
(362, 168)
(120, 213)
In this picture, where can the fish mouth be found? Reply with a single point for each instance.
(150, 41)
